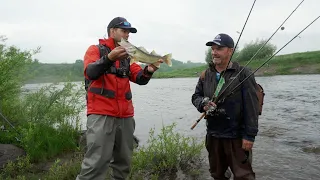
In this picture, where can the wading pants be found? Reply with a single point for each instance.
(224, 153)
(109, 142)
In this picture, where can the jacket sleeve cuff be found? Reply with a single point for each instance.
(146, 72)
(249, 138)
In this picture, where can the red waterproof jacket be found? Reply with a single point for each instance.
(109, 93)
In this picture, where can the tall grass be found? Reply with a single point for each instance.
(45, 122)
(164, 155)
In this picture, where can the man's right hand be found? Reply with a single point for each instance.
(118, 53)
(206, 107)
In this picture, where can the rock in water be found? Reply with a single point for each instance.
(9, 152)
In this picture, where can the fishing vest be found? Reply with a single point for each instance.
(111, 93)
(259, 91)
(123, 71)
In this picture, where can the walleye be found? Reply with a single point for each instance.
(140, 54)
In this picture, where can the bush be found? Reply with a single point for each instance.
(51, 121)
(14, 65)
(166, 154)
(249, 50)
(47, 121)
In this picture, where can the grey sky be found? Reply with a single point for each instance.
(65, 28)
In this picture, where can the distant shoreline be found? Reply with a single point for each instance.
(289, 64)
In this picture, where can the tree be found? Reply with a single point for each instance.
(251, 48)
(208, 55)
(14, 71)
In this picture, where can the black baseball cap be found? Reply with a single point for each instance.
(222, 40)
(120, 22)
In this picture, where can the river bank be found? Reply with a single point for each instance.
(288, 64)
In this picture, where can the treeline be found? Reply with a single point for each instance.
(43, 72)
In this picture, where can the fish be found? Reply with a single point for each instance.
(140, 54)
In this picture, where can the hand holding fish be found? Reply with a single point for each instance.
(140, 54)
(118, 53)
(153, 67)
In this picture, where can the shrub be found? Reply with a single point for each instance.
(166, 154)
(250, 49)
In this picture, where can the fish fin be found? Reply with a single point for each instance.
(133, 60)
(157, 65)
(153, 53)
(143, 49)
(167, 59)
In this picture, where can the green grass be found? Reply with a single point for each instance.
(163, 155)
(296, 63)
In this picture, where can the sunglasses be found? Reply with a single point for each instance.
(123, 23)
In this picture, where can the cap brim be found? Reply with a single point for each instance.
(210, 43)
(132, 29)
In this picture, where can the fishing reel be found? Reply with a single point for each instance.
(212, 109)
(122, 72)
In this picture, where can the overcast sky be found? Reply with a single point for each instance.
(65, 28)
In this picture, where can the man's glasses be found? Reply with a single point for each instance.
(124, 23)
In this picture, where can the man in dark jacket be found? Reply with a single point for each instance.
(232, 127)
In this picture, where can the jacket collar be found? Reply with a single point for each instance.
(232, 66)
(108, 42)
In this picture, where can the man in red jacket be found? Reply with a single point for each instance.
(110, 112)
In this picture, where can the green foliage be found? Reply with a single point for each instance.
(45, 121)
(249, 49)
(14, 65)
(208, 55)
(51, 124)
(166, 153)
(74, 71)
(296, 63)
(64, 170)
(13, 169)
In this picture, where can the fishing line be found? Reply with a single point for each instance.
(198, 120)
(237, 41)
(6, 120)
(273, 55)
(223, 91)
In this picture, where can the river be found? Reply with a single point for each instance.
(288, 142)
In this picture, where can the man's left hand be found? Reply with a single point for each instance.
(156, 65)
(246, 145)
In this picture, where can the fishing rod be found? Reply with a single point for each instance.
(198, 120)
(6, 120)
(259, 67)
(238, 39)
(272, 56)
(238, 74)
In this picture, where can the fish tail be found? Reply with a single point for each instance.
(167, 59)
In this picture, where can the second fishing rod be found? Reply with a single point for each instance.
(217, 98)
(221, 98)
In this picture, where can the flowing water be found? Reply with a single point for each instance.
(288, 143)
